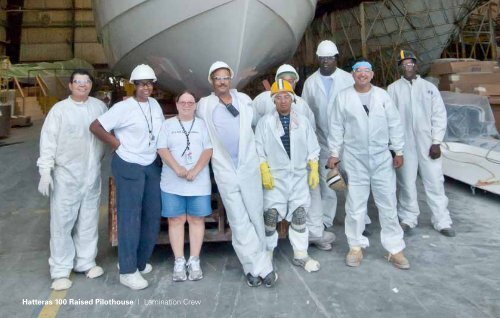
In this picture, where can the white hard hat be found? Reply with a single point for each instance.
(217, 65)
(286, 68)
(143, 72)
(327, 48)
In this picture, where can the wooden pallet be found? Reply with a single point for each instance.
(216, 225)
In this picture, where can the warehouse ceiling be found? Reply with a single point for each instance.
(327, 6)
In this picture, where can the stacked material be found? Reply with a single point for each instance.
(470, 76)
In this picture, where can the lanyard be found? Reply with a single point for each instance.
(150, 130)
(187, 134)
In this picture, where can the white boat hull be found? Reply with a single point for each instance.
(181, 39)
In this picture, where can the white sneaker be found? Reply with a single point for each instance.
(194, 268)
(94, 272)
(146, 269)
(61, 283)
(133, 281)
(179, 274)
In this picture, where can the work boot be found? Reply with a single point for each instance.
(253, 281)
(324, 242)
(179, 274)
(270, 279)
(62, 283)
(405, 227)
(194, 268)
(354, 257)
(449, 232)
(134, 281)
(399, 260)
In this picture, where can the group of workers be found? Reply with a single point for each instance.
(272, 159)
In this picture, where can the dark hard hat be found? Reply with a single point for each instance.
(404, 54)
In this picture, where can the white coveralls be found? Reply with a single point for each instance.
(423, 116)
(73, 153)
(368, 163)
(263, 104)
(240, 187)
(323, 199)
(290, 174)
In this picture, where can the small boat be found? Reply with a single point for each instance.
(471, 151)
(476, 166)
(181, 39)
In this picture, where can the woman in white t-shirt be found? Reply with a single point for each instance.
(131, 128)
(185, 148)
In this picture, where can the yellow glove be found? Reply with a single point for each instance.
(267, 178)
(313, 174)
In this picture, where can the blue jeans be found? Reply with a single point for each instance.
(138, 210)
(176, 205)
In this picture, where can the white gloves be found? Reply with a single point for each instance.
(45, 182)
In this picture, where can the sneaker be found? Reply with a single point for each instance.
(324, 242)
(179, 274)
(399, 260)
(194, 269)
(354, 257)
(62, 283)
(147, 269)
(134, 281)
(449, 232)
(405, 227)
(94, 272)
(307, 263)
(270, 279)
(253, 281)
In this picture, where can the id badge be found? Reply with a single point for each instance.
(188, 157)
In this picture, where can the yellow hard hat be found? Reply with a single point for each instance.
(281, 86)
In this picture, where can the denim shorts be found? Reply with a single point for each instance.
(176, 205)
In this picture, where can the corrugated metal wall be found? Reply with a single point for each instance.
(55, 30)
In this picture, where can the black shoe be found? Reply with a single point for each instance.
(449, 232)
(405, 227)
(367, 231)
(270, 279)
(253, 281)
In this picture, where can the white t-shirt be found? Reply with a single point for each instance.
(327, 84)
(365, 98)
(174, 139)
(132, 122)
(228, 128)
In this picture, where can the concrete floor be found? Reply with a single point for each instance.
(450, 277)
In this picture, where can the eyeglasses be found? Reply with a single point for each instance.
(144, 84)
(221, 78)
(359, 71)
(186, 103)
(408, 65)
(82, 82)
(327, 58)
(280, 98)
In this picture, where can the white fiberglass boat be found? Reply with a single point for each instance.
(181, 39)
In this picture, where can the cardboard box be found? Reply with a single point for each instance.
(472, 78)
(439, 67)
(487, 89)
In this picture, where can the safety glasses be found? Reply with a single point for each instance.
(144, 83)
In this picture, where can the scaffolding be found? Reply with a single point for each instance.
(377, 30)
(479, 34)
